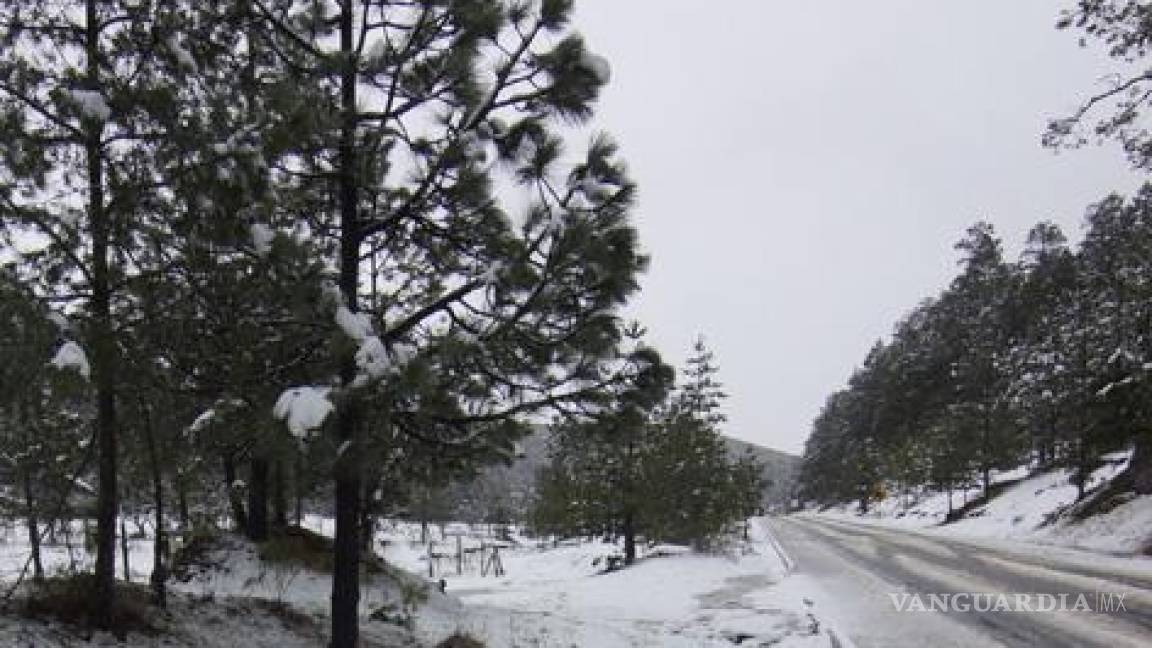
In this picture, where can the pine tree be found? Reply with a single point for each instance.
(599, 478)
(449, 309)
(76, 83)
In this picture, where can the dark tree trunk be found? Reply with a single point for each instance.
(371, 509)
(160, 546)
(182, 503)
(346, 567)
(279, 495)
(257, 529)
(30, 512)
(298, 488)
(629, 531)
(986, 460)
(346, 563)
(124, 551)
(101, 343)
(33, 527)
(239, 517)
(1140, 468)
(367, 518)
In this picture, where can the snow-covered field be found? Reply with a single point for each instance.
(558, 596)
(1029, 510)
(550, 594)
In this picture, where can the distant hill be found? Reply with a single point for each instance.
(780, 469)
(510, 488)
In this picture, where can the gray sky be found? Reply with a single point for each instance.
(806, 167)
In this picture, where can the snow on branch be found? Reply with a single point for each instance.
(357, 326)
(71, 357)
(303, 408)
(91, 104)
(262, 237)
(183, 57)
(597, 65)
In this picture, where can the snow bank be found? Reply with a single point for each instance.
(1031, 509)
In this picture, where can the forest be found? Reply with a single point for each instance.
(1042, 361)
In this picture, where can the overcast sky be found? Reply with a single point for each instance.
(806, 167)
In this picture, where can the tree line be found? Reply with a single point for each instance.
(1044, 361)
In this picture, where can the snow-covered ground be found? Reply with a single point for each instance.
(559, 596)
(1028, 510)
(550, 594)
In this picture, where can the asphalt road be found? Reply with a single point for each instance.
(860, 575)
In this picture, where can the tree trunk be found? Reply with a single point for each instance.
(124, 551)
(346, 563)
(279, 495)
(367, 518)
(1140, 468)
(33, 527)
(298, 488)
(629, 530)
(30, 512)
(986, 459)
(239, 517)
(257, 529)
(182, 504)
(101, 342)
(160, 546)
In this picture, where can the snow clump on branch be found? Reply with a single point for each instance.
(303, 408)
(71, 356)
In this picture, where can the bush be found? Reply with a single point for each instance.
(460, 640)
(69, 600)
(298, 546)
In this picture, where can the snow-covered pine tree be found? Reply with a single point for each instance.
(80, 85)
(456, 321)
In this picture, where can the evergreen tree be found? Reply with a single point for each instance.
(455, 320)
(77, 83)
(650, 467)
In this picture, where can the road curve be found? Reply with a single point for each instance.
(861, 574)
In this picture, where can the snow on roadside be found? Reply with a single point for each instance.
(1027, 510)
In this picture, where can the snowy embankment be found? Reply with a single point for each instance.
(1028, 507)
(559, 595)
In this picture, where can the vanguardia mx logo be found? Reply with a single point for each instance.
(1099, 602)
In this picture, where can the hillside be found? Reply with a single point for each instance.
(1031, 505)
(780, 469)
(509, 488)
